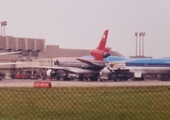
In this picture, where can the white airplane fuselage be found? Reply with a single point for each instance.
(139, 67)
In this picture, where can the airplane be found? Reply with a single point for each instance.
(79, 67)
(136, 68)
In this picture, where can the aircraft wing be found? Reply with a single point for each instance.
(70, 69)
(8, 53)
(50, 67)
(11, 63)
(97, 63)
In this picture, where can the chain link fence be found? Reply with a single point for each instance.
(76, 103)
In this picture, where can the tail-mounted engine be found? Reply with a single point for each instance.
(99, 54)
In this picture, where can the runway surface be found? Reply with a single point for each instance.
(30, 83)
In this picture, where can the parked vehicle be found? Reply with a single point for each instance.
(25, 75)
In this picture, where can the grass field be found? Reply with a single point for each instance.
(106, 103)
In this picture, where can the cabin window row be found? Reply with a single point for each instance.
(149, 64)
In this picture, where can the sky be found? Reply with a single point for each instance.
(79, 24)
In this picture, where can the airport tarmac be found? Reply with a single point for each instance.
(30, 83)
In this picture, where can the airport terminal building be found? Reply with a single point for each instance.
(36, 48)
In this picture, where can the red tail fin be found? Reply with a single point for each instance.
(101, 51)
(102, 43)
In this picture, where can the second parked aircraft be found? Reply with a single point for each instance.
(120, 67)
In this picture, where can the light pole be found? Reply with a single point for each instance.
(3, 24)
(140, 34)
(143, 43)
(136, 34)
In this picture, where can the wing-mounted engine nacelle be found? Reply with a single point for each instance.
(50, 73)
(99, 53)
(105, 71)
